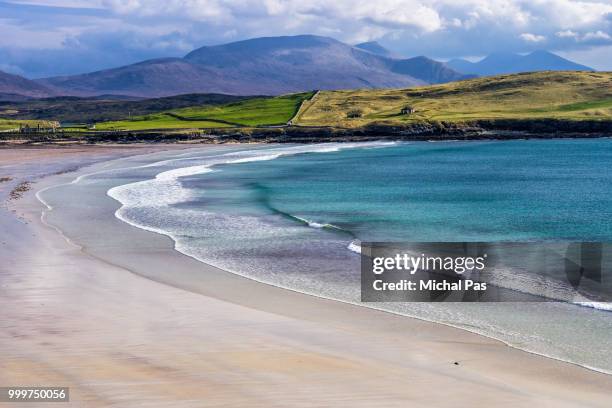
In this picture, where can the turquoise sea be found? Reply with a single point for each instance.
(293, 216)
(485, 191)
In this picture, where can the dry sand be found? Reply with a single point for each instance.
(68, 318)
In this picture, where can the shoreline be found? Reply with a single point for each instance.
(355, 303)
(440, 345)
(372, 306)
(478, 129)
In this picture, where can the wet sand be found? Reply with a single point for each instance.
(87, 318)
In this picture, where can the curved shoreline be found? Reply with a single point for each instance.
(415, 355)
(175, 246)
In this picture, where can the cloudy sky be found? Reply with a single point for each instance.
(54, 37)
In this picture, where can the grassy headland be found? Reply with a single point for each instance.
(540, 95)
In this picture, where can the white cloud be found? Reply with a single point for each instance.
(571, 14)
(341, 13)
(534, 38)
(15, 35)
(566, 34)
(62, 3)
(438, 28)
(591, 57)
(351, 17)
(597, 35)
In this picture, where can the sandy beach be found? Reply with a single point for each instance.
(103, 319)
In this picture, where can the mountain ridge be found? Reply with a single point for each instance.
(276, 65)
(15, 87)
(263, 66)
(510, 63)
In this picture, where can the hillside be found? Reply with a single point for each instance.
(556, 95)
(15, 87)
(261, 66)
(153, 78)
(246, 113)
(579, 102)
(87, 110)
(509, 63)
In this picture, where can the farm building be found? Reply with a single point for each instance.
(407, 110)
(45, 127)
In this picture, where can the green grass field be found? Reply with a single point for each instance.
(557, 95)
(248, 113)
(157, 121)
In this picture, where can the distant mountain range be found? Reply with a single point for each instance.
(509, 63)
(426, 69)
(264, 66)
(275, 65)
(375, 48)
(15, 87)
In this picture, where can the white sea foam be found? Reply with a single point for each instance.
(355, 246)
(317, 225)
(605, 306)
(312, 224)
(165, 189)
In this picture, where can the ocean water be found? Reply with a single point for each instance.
(293, 216)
